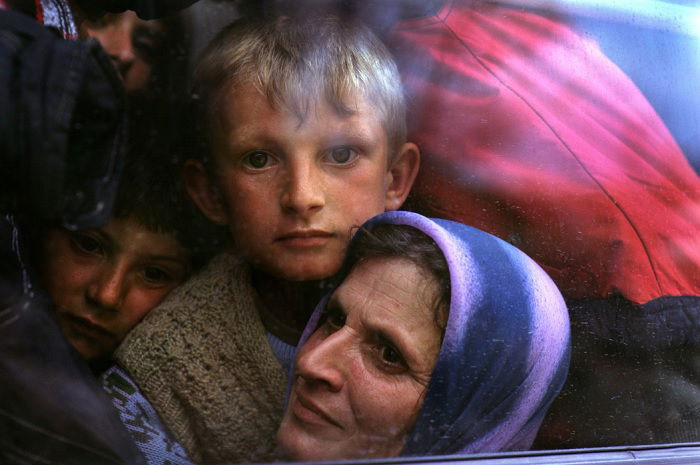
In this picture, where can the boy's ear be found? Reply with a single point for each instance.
(402, 173)
(203, 192)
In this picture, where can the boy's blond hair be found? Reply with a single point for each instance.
(297, 62)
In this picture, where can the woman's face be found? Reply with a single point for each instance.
(361, 377)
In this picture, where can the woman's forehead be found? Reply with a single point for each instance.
(379, 290)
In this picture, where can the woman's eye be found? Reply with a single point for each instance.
(257, 159)
(342, 155)
(337, 319)
(86, 244)
(334, 318)
(390, 355)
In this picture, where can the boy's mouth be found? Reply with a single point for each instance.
(87, 327)
(305, 238)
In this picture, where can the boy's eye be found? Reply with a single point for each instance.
(101, 22)
(342, 155)
(86, 244)
(147, 42)
(144, 44)
(156, 275)
(257, 159)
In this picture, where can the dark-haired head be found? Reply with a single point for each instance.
(409, 243)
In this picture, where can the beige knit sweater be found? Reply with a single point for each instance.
(202, 359)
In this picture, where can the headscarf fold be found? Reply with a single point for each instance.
(505, 352)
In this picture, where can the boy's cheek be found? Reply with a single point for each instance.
(139, 305)
(89, 349)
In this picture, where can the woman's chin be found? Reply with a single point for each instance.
(300, 446)
(294, 444)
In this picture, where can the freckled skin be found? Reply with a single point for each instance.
(293, 191)
(302, 189)
(350, 398)
(104, 281)
(277, 176)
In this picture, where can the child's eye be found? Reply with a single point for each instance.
(86, 244)
(147, 42)
(156, 275)
(342, 155)
(257, 159)
(144, 45)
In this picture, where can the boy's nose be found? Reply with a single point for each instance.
(322, 362)
(303, 193)
(121, 51)
(108, 288)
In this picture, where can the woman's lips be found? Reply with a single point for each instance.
(308, 412)
(305, 238)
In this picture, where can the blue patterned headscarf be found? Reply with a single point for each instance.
(505, 352)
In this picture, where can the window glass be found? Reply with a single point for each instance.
(560, 127)
(569, 129)
(564, 133)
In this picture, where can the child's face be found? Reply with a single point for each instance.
(130, 42)
(103, 281)
(291, 192)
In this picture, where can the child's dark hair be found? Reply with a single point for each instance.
(406, 242)
(150, 190)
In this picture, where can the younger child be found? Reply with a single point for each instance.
(305, 123)
(134, 45)
(103, 281)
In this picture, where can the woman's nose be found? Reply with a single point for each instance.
(322, 360)
(108, 288)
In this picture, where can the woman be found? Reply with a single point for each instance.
(440, 339)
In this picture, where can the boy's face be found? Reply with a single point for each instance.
(103, 281)
(292, 191)
(131, 43)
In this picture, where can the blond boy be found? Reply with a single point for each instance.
(305, 123)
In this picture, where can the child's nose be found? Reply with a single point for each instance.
(323, 362)
(108, 288)
(303, 193)
(122, 54)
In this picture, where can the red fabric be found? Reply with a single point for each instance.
(529, 132)
(39, 11)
